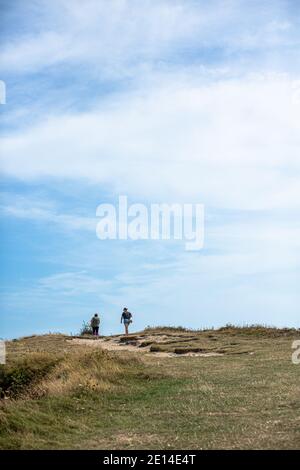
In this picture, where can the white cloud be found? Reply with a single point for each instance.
(111, 35)
(119, 36)
(232, 143)
(74, 283)
(31, 53)
(46, 212)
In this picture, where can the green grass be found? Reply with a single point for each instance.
(230, 402)
(19, 375)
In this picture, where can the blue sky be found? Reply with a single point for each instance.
(163, 101)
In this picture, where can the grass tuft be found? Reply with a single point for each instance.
(17, 378)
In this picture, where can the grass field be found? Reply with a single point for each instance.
(60, 394)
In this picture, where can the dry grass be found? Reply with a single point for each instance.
(83, 397)
(48, 365)
(50, 343)
(245, 330)
(81, 370)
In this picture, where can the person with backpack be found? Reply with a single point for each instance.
(126, 318)
(95, 323)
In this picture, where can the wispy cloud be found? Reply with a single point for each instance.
(231, 143)
(74, 283)
(119, 36)
(46, 212)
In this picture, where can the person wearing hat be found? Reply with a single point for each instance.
(126, 318)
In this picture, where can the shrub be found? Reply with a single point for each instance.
(16, 378)
(86, 329)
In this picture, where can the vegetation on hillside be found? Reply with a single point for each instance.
(57, 394)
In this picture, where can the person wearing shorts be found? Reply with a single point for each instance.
(126, 318)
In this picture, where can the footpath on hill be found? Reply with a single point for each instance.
(163, 345)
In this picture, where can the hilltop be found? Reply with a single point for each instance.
(161, 388)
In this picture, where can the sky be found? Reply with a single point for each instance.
(164, 101)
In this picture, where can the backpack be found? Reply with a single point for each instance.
(95, 322)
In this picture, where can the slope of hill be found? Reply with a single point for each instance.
(163, 388)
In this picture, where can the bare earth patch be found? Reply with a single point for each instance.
(135, 344)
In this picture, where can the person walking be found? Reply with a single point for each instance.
(126, 318)
(95, 323)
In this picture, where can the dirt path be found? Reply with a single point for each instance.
(135, 344)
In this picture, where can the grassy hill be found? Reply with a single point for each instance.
(163, 388)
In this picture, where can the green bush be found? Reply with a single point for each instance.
(86, 329)
(15, 378)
